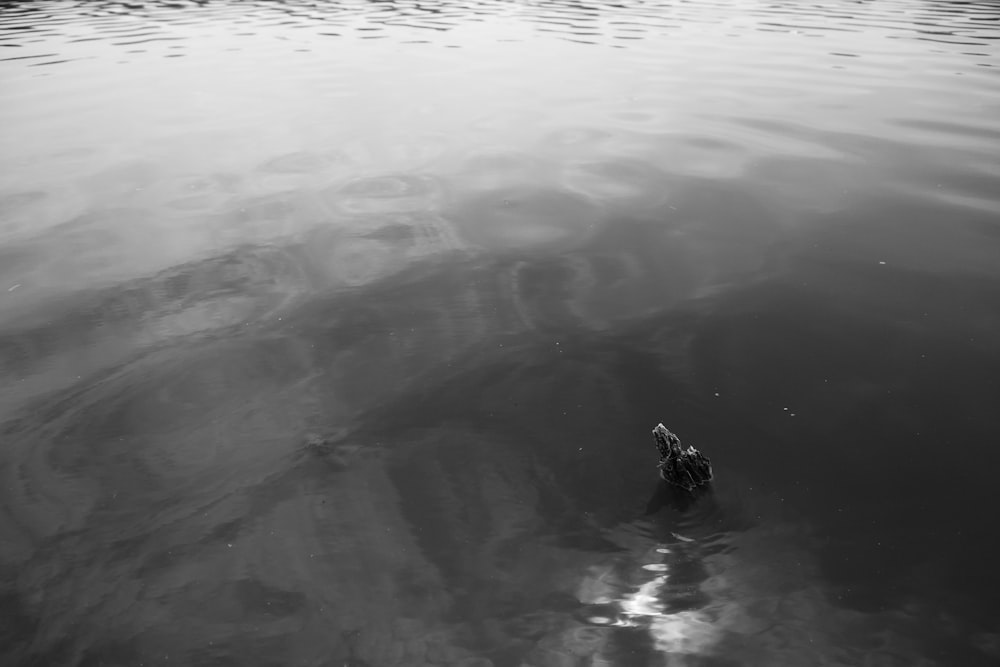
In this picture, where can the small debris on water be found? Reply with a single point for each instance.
(684, 467)
(13, 287)
(682, 538)
(881, 262)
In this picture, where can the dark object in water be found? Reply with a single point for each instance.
(684, 467)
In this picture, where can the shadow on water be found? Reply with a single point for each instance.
(425, 469)
(449, 462)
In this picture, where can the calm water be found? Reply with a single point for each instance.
(333, 333)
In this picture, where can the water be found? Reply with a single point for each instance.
(333, 333)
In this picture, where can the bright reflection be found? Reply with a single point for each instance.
(688, 632)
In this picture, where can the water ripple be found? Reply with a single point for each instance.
(225, 224)
(594, 22)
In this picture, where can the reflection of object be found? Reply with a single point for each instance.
(684, 467)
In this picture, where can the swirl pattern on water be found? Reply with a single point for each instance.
(326, 325)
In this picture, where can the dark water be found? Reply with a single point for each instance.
(333, 333)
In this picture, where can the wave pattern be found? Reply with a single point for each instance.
(126, 24)
(326, 325)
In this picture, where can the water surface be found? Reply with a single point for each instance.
(334, 332)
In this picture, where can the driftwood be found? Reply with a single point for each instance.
(685, 467)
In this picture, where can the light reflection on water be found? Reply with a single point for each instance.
(331, 333)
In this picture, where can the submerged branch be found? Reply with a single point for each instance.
(685, 467)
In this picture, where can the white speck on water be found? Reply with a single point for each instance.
(229, 545)
(881, 262)
(716, 393)
(13, 287)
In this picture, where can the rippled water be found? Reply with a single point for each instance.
(332, 333)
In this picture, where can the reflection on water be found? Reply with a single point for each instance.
(331, 333)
